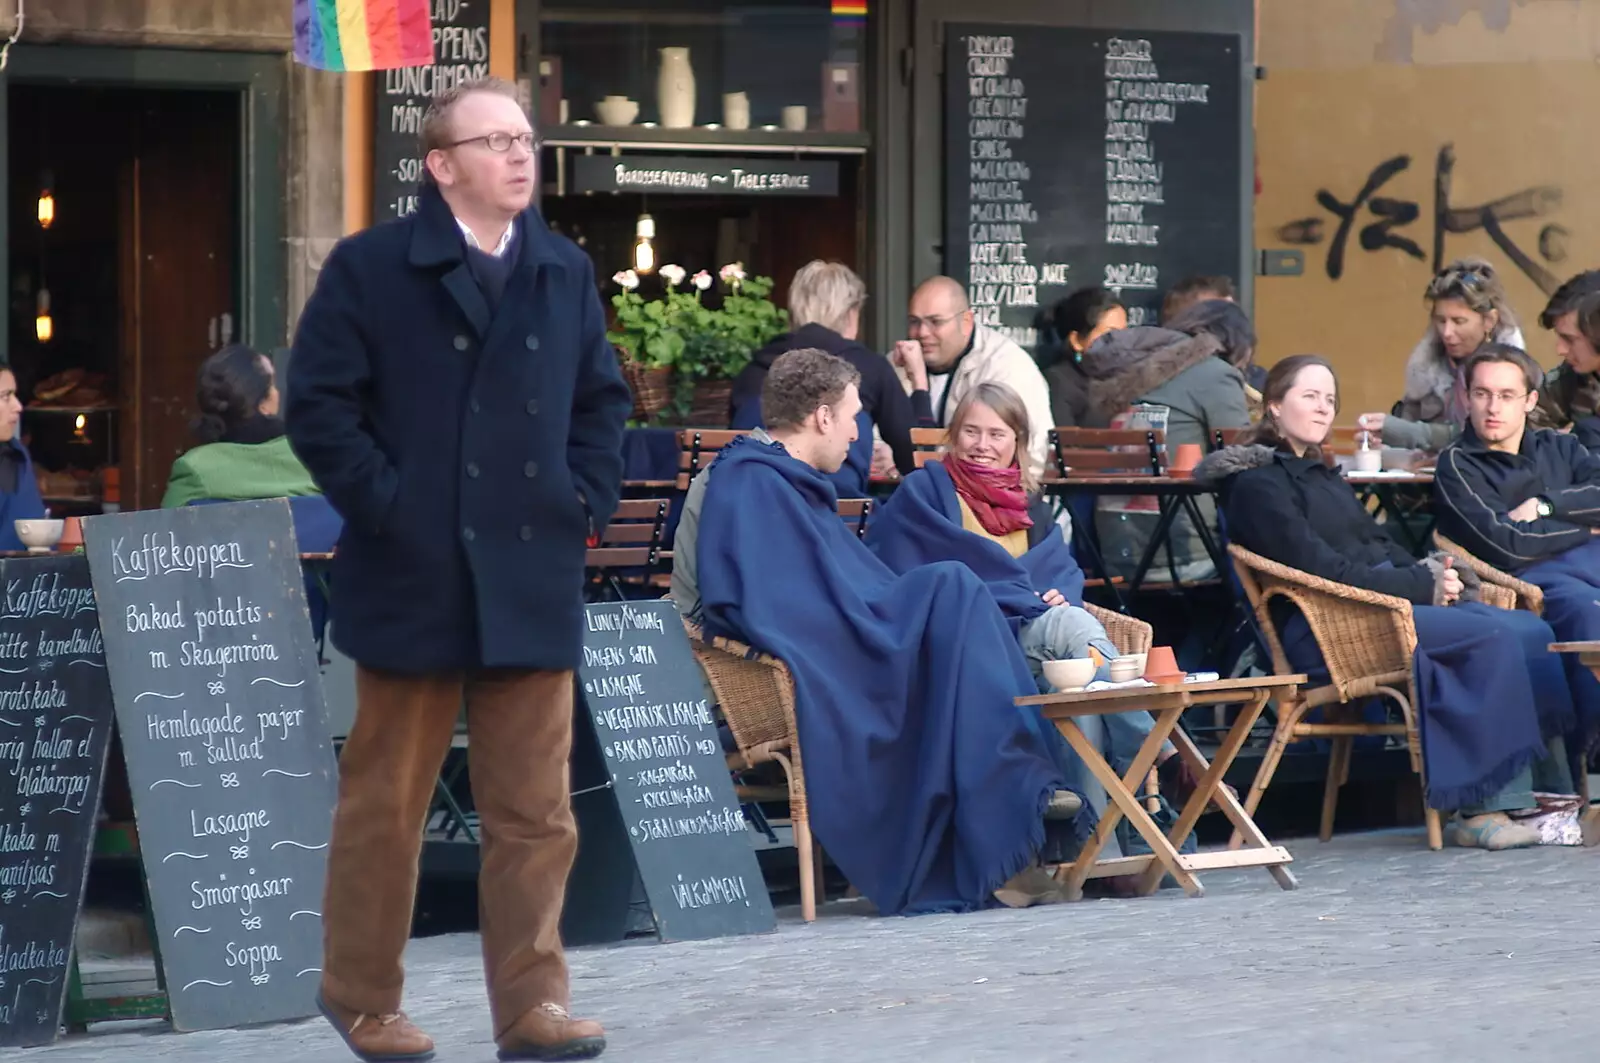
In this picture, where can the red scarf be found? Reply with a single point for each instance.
(995, 496)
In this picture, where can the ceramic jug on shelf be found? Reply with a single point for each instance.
(675, 89)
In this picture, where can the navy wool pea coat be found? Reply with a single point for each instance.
(469, 450)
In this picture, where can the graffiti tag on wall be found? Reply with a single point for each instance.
(1389, 223)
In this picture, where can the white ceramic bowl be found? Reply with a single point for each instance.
(1070, 674)
(1127, 667)
(40, 536)
(614, 111)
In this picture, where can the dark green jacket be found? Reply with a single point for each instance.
(236, 472)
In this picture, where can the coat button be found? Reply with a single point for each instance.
(472, 469)
(532, 341)
(468, 534)
(533, 406)
(474, 406)
(531, 469)
(526, 533)
(461, 343)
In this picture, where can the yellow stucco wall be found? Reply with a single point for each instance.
(1507, 85)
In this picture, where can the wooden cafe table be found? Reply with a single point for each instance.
(1588, 653)
(1166, 703)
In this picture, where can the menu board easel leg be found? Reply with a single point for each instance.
(119, 840)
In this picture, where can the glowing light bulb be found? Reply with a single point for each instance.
(44, 327)
(47, 209)
(644, 252)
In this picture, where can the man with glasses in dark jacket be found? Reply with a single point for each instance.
(1527, 500)
(460, 568)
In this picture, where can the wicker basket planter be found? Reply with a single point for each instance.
(710, 406)
(652, 388)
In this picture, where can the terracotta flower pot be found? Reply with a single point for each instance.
(1161, 666)
(1184, 459)
(71, 535)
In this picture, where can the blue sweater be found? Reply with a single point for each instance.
(22, 504)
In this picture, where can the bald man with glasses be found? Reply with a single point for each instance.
(948, 353)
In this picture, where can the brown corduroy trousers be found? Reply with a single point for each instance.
(519, 726)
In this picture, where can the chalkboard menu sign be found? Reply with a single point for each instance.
(55, 727)
(460, 53)
(219, 703)
(1088, 157)
(652, 713)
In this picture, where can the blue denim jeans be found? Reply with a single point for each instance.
(1064, 632)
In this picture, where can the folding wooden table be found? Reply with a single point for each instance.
(1166, 704)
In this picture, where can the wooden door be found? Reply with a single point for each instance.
(179, 245)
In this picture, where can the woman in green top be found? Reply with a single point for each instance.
(243, 453)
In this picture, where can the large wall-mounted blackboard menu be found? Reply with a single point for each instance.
(219, 702)
(55, 727)
(652, 713)
(1083, 157)
(460, 53)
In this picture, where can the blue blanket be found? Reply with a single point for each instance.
(921, 524)
(926, 785)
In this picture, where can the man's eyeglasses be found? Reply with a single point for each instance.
(933, 324)
(1484, 397)
(499, 141)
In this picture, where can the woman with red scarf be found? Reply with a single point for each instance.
(978, 506)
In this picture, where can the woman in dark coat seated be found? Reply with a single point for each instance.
(977, 506)
(1489, 693)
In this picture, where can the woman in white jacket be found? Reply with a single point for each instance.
(1469, 308)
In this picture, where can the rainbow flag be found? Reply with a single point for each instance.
(362, 34)
(850, 12)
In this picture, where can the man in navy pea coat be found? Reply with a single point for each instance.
(452, 391)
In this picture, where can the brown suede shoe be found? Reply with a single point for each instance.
(548, 1032)
(378, 1038)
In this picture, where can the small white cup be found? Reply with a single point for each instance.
(1368, 461)
(794, 119)
(1127, 668)
(736, 110)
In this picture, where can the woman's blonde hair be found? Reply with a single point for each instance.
(824, 293)
(1008, 406)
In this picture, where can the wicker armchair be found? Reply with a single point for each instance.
(1527, 595)
(756, 696)
(1367, 641)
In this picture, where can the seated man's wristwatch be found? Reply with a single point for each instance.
(1545, 508)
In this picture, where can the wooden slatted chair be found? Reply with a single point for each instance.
(1225, 437)
(697, 449)
(1106, 451)
(1529, 597)
(854, 512)
(756, 694)
(630, 543)
(1367, 641)
(1342, 440)
(928, 444)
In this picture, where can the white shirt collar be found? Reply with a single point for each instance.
(500, 248)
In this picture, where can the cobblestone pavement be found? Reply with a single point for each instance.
(1386, 952)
